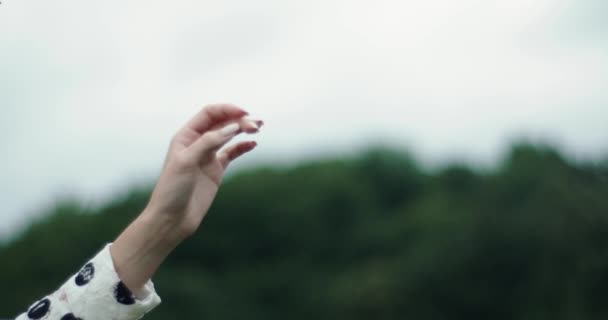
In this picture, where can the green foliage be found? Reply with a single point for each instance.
(372, 237)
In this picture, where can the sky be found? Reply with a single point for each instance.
(92, 91)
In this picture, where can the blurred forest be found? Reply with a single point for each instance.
(373, 236)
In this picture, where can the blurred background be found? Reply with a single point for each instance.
(433, 159)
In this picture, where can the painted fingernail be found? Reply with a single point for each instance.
(230, 129)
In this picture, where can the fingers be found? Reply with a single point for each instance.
(212, 141)
(214, 114)
(217, 124)
(249, 125)
(235, 151)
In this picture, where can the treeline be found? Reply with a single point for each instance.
(368, 237)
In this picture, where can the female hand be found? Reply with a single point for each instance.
(194, 168)
(188, 183)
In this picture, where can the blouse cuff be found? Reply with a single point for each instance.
(98, 287)
(95, 293)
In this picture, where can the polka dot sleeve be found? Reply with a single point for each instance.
(94, 293)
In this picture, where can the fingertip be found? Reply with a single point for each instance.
(242, 111)
(231, 109)
(249, 125)
(249, 145)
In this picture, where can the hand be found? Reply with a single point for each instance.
(188, 183)
(194, 167)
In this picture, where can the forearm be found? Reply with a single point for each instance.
(142, 247)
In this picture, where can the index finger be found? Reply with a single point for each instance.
(213, 114)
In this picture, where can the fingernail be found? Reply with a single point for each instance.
(230, 129)
(255, 125)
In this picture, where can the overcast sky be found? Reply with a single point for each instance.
(91, 91)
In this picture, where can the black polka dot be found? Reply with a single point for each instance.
(40, 309)
(85, 274)
(70, 316)
(123, 294)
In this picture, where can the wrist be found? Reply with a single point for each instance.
(166, 226)
(142, 247)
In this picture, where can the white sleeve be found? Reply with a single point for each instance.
(94, 293)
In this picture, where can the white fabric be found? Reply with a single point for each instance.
(94, 293)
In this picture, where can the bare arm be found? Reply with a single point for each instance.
(188, 183)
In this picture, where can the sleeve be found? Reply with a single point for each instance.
(94, 293)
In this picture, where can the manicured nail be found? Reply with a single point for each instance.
(255, 125)
(253, 122)
(230, 129)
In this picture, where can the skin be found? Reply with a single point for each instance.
(190, 178)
